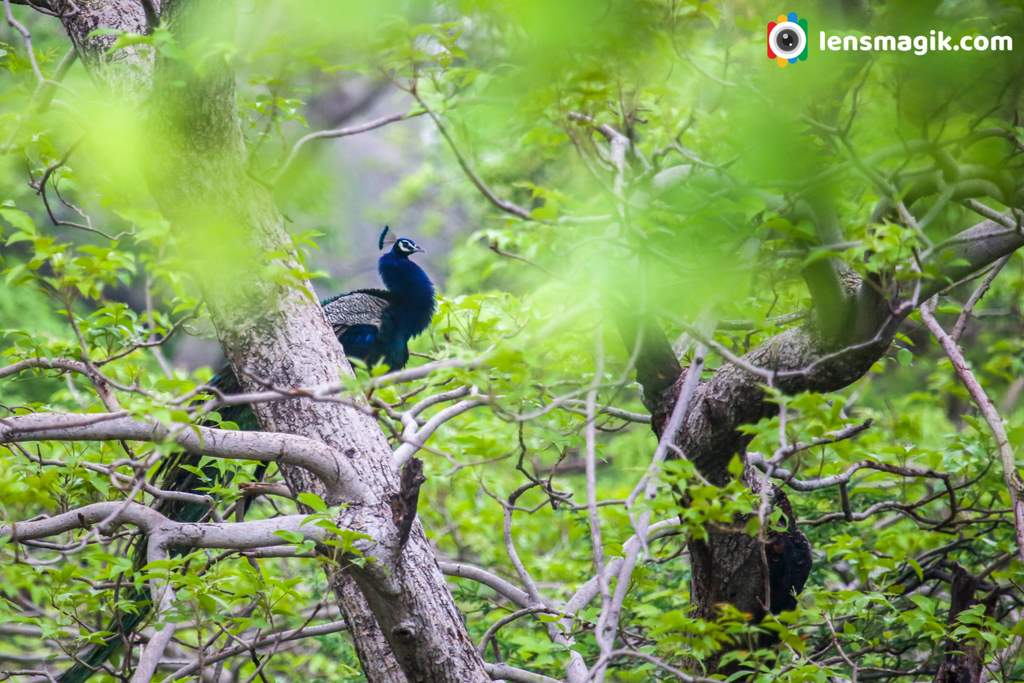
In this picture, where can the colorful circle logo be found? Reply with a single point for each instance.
(787, 39)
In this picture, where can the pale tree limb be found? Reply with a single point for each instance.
(604, 639)
(162, 595)
(661, 664)
(1014, 485)
(965, 313)
(316, 457)
(789, 479)
(328, 391)
(26, 38)
(511, 673)
(608, 620)
(493, 629)
(234, 535)
(634, 545)
(163, 534)
(414, 436)
(499, 585)
(576, 669)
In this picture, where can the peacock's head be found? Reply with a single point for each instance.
(403, 247)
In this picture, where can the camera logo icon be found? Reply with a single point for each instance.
(787, 39)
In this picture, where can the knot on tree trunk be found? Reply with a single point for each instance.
(405, 502)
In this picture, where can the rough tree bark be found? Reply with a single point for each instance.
(403, 618)
(963, 661)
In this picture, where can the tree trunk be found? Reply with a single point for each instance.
(403, 617)
(962, 662)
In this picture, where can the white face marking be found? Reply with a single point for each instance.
(406, 246)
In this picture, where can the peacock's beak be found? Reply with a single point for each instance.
(419, 250)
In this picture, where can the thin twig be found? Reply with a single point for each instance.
(485, 190)
(339, 133)
(26, 38)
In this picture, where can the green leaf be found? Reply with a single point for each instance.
(19, 220)
(312, 501)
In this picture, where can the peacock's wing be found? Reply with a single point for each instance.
(359, 321)
(361, 307)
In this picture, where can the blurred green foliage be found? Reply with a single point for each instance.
(722, 137)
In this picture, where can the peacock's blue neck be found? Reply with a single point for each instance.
(412, 301)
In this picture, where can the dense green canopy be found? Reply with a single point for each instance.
(568, 166)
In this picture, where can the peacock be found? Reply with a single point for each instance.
(373, 325)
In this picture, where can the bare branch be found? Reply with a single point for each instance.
(511, 673)
(784, 452)
(988, 410)
(651, 659)
(605, 637)
(589, 590)
(789, 479)
(508, 619)
(162, 595)
(494, 582)
(26, 37)
(485, 190)
(260, 643)
(339, 133)
(414, 439)
(965, 313)
(320, 459)
(235, 535)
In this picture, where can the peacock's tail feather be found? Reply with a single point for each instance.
(122, 626)
(176, 473)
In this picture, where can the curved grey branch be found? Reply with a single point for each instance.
(320, 459)
(233, 535)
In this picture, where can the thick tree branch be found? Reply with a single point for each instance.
(162, 595)
(801, 359)
(414, 436)
(320, 459)
(511, 673)
(657, 367)
(828, 280)
(234, 535)
(499, 585)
